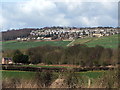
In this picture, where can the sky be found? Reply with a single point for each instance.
(16, 14)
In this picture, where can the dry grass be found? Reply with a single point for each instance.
(69, 80)
(18, 83)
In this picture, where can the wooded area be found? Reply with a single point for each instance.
(77, 55)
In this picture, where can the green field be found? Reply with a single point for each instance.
(18, 74)
(30, 75)
(92, 74)
(7, 45)
(106, 41)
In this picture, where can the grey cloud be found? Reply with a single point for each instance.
(33, 14)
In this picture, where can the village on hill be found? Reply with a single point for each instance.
(69, 34)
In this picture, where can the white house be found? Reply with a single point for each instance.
(7, 60)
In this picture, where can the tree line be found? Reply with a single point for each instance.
(76, 55)
(13, 34)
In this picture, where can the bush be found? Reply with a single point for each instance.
(44, 79)
(71, 79)
(108, 80)
(11, 83)
(20, 58)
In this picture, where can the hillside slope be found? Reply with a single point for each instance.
(106, 41)
(7, 45)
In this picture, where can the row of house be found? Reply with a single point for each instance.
(68, 33)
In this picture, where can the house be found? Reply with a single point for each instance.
(97, 35)
(38, 38)
(18, 39)
(7, 60)
(48, 38)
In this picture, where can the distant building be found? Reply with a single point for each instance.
(68, 33)
(38, 38)
(7, 60)
(48, 38)
(18, 39)
(97, 35)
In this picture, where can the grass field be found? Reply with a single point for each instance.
(106, 41)
(30, 75)
(18, 74)
(92, 74)
(25, 45)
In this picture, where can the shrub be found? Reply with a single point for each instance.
(71, 79)
(108, 80)
(44, 79)
(20, 58)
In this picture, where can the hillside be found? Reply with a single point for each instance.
(13, 34)
(106, 41)
(7, 45)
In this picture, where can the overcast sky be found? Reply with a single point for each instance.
(41, 13)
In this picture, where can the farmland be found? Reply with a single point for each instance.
(30, 75)
(17, 74)
(106, 41)
(7, 45)
(70, 52)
